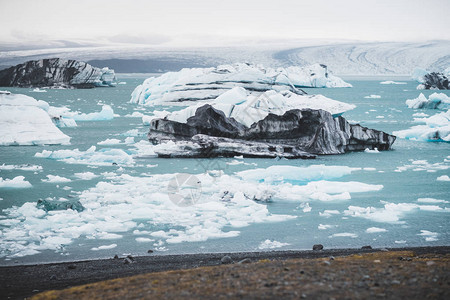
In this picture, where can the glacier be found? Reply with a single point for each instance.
(26, 121)
(208, 83)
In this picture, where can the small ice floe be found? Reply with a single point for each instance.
(305, 207)
(443, 178)
(429, 235)
(325, 226)
(268, 244)
(373, 97)
(104, 247)
(421, 115)
(135, 114)
(392, 82)
(344, 234)
(38, 90)
(328, 213)
(17, 182)
(102, 157)
(26, 167)
(56, 178)
(375, 230)
(431, 200)
(129, 140)
(144, 240)
(400, 242)
(122, 82)
(105, 114)
(375, 150)
(423, 165)
(85, 175)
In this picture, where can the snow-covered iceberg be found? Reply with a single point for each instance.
(437, 129)
(432, 80)
(56, 72)
(435, 100)
(208, 83)
(248, 107)
(26, 121)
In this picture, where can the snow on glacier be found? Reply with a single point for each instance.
(247, 107)
(208, 83)
(25, 121)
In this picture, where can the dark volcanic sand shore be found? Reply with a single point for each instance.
(415, 272)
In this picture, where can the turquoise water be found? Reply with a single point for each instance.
(298, 233)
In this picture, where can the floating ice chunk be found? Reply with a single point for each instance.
(423, 165)
(109, 142)
(106, 113)
(420, 115)
(104, 247)
(390, 213)
(367, 150)
(27, 167)
(86, 175)
(296, 174)
(56, 178)
(344, 234)
(102, 157)
(392, 82)
(437, 129)
(429, 235)
(25, 121)
(305, 207)
(38, 90)
(373, 97)
(144, 240)
(400, 242)
(375, 230)
(328, 213)
(268, 244)
(431, 200)
(443, 178)
(17, 182)
(325, 227)
(434, 101)
(135, 114)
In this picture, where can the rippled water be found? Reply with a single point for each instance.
(407, 173)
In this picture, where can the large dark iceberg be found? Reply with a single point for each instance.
(432, 80)
(57, 72)
(298, 133)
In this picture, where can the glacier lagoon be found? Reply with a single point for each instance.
(386, 199)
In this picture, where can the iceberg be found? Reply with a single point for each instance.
(294, 134)
(432, 80)
(434, 101)
(208, 83)
(56, 72)
(437, 129)
(25, 121)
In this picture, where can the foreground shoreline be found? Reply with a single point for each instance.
(17, 282)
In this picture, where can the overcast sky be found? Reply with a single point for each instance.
(195, 23)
